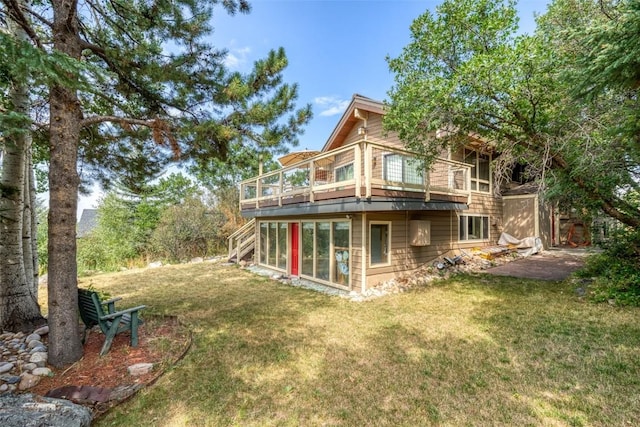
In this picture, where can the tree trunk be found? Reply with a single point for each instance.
(32, 212)
(65, 116)
(19, 309)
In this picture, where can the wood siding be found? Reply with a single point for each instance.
(375, 133)
(520, 216)
(486, 204)
(404, 257)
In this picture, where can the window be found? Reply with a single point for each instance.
(344, 173)
(263, 242)
(282, 245)
(379, 243)
(273, 244)
(341, 253)
(473, 227)
(323, 249)
(272, 241)
(399, 168)
(480, 171)
(308, 250)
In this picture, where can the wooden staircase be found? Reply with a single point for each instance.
(242, 242)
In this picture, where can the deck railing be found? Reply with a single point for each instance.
(360, 168)
(242, 241)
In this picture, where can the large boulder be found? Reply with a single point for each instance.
(28, 410)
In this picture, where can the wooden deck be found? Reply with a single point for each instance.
(362, 170)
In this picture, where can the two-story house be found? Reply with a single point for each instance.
(363, 209)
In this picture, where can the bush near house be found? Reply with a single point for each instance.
(616, 271)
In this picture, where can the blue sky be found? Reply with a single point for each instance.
(335, 48)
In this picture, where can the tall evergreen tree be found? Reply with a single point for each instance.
(152, 75)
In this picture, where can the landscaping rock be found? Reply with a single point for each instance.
(38, 349)
(34, 343)
(42, 331)
(42, 372)
(139, 369)
(29, 366)
(21, 354)
(10, 379)
(28, 381)
(155, 264)
(33, 411)
(39, 359)
(32, 337)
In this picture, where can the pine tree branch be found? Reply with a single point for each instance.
(117, 119)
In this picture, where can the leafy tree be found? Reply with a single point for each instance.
(186, 230)
(467, 71)
(127, 218)
(150, 73)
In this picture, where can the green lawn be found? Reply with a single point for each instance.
(475, 350)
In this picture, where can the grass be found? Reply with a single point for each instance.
(474, 350)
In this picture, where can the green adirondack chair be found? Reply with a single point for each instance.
(111, 322)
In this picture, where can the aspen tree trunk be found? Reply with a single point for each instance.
(30, 225)
(19, 309)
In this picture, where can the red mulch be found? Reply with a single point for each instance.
(162, 341)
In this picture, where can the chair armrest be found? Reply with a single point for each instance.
(111, 304)
(112, 316)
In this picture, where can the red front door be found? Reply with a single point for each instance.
(294, 249)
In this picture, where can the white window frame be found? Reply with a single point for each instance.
(475, 170)
(344, 167)
(389, 240)
(466, 236)
(277, 242)
(404, 165)
(332, 259)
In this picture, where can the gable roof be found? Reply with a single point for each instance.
(358, 110)
(88, 221)
(350, 117)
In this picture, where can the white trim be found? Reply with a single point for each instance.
(344, 166)
(475, 179)
(483, 239)
(519, 196)
(332, 261)
(364, 254)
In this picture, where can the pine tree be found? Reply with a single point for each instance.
(147, 71)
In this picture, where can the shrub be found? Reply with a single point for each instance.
(185, 231)
(616, 270)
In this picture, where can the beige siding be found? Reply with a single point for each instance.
(375, 133)
(343, 159)
(356, 252)
(486, 204)
(520, 216)
(404, 257)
